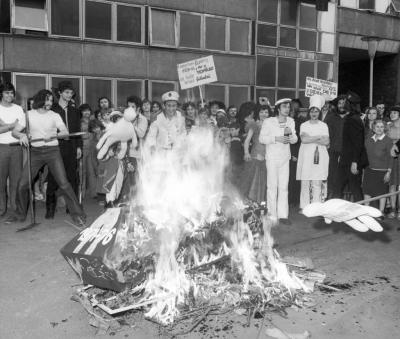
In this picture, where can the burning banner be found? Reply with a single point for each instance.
(185, 239)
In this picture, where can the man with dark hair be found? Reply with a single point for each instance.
(10, 156)
(277, 133)
(335, 125)
(46, 125)
(71, 150)
(353, 158)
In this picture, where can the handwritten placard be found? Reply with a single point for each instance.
(325, 88)
(197, 72)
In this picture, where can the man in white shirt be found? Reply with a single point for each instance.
(10, 156)
(169, 126)
(277, 133)
(46, 125)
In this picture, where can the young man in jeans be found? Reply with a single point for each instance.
(47, 125)
(71, 150)
(10, 156)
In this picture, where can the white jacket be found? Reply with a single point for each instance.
(164, 132)
(270, 129)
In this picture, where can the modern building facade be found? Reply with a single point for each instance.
(260, 47)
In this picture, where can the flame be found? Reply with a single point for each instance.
(179, 191)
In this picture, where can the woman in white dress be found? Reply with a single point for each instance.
(313, 161)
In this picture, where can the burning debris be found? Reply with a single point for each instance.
(186, 245)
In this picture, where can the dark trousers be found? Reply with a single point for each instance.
(50, 156)
(10, 168)
(129, 183)
(350, 179)
(68, 155)
(334, 185)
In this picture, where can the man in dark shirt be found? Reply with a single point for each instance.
(353, 157)
(71, 150)
(335, 124)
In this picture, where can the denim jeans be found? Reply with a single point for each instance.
(10, 168)
(50, 156)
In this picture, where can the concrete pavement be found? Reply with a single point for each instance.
(36, 284)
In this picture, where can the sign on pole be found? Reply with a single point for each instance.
(325, 88)
(197, 72)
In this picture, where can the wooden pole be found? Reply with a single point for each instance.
(201, 97)
(377, 197)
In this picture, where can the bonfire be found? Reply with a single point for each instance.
(186, 241)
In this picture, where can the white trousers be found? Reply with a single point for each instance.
(277, 188)
(311, 191)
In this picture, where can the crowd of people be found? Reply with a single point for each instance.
(284, 154)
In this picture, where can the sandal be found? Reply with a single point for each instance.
(392, 215)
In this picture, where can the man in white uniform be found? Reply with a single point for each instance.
(10, 156)
(277, 133)
(169, 126)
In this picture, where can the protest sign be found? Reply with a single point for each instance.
(325, 88)
(197, 72)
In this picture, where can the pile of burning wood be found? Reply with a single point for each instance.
(185, 245)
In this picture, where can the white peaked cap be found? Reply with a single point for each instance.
(317, 101)
(282, 101)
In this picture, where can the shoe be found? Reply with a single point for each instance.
(391, 215)
(285, 221)
(79, 221)
(381, 218)
(12, 218)
(300, 211)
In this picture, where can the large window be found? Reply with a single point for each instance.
(238, 95)
(163, 27)
(214, 92)
(30, 15)
(95, 89)
(27, 85)
(126, 88)
(306, 69)
(129, 23)
(98, 20)
(287, 72)
(299, 25)
(268, 10)
(190, 30)
(266, 68)
(215, 33)
(200, 31)
(266, 35)
(361, 4)
(239, 36)
(65, 17)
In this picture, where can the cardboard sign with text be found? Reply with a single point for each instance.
(327, 89)
(197, 72)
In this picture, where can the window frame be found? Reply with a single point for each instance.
(358, 6)
(39, 75)
(114, 26)
(297, 27)
(81, 22)
(85, 78)
(228, 88)
(114, 87)
(228, 37)
(226, 33)
(150, 23)
(202, 30)
(46, 20)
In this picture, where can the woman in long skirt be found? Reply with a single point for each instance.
(255, 172)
